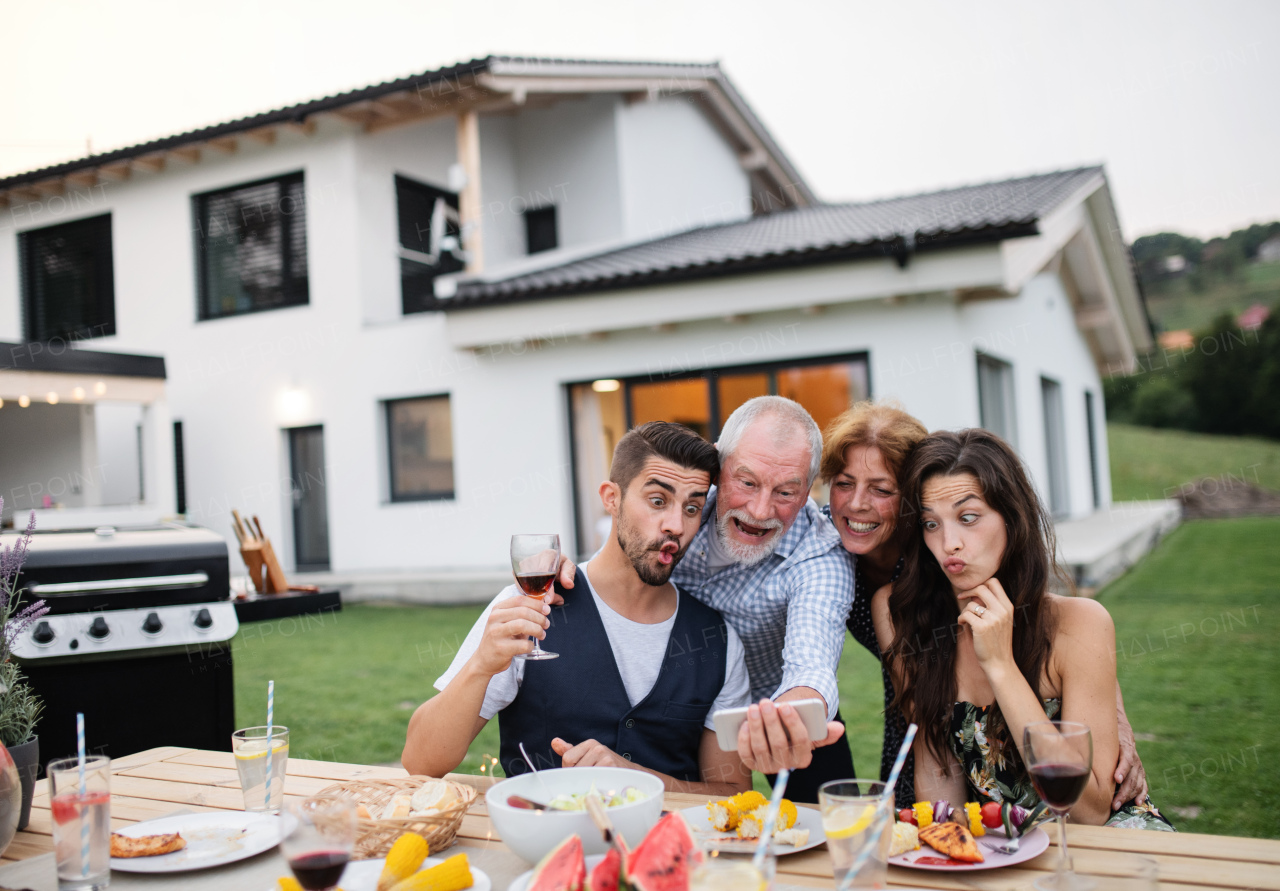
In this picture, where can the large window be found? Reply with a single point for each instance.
(603, 410)
(430, 241)
(1055, 443)
(420, 448)
(67, 281)
(995, 398)
(251, 241)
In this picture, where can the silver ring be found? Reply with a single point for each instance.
(979, 609)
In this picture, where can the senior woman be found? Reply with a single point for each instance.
(863, 453)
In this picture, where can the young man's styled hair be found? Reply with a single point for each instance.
(661, 439)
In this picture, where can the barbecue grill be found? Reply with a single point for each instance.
(137, 637)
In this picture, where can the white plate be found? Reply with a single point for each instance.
(1034, 844)
(212, 840)
(522, 881)
(729, 843)
(362, 875)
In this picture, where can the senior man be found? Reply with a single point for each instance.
(773, 566)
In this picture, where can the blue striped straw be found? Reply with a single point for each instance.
(271, 711)
(770, 819)
(873, 843)
(84, 810)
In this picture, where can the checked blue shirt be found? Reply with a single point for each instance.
(789, 609)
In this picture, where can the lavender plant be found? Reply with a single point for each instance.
(19, 706)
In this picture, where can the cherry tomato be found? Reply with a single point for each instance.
(991, 815)
(907, 815)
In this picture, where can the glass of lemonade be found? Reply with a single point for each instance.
(250, 748)
(727, 874)
(81, 822)
(856, 813)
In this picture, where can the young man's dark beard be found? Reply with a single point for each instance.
(638, 553)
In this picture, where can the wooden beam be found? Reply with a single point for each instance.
(115, 172)
(227, 144)
(262, 136)
(188, 153)
(469, 206)
(49, 187)
(149, 163)
(305, 127)
(353, 116)
(84, 178)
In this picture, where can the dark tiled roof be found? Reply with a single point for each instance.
(299, 112)
(893, 226)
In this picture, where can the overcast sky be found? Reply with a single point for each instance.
(1178, 99)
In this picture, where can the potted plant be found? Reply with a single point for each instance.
(20, 707)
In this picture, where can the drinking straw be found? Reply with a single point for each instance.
(84, 817)
(271, 710)
(874, 841)
(770, 819)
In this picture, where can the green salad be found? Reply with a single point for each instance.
(577, 801)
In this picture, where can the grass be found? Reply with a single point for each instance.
(1148, 463)
(1198, 657)
(1175, 306)
(346, 683)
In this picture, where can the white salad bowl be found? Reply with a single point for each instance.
(532, 834)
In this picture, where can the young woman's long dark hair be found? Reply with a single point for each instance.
(924, 608)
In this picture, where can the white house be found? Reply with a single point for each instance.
(401, 323)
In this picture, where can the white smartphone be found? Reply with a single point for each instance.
(812, 711)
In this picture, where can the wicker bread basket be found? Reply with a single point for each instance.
(375, 837)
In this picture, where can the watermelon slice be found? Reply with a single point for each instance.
(605, 875)
(665, 859)
(563, 869)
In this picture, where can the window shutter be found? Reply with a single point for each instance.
(68, 280)
(252, 246)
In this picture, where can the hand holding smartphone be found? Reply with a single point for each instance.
(813, 712)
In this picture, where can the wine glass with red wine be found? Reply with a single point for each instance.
(320, 844)
(535, 560)
(1059, 757)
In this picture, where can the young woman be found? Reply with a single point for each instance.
(977, 646)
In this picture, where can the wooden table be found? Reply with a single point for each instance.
(162, 781)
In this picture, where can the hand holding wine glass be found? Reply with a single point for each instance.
(1059, 757)
(535, 560)
(321, 843)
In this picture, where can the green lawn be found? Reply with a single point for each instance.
(1149, 463)
(1198, 656)
(346, 683)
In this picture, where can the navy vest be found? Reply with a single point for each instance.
(580, 696)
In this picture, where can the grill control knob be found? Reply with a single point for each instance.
(152, 624)
(203, 619)
(98, 630)
(43, 633)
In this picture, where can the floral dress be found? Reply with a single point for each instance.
(994, 774)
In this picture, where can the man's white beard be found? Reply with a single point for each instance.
(742, 553)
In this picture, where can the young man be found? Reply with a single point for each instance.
(642, 666)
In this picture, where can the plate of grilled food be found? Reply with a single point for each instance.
(193, 841)
(932, 835)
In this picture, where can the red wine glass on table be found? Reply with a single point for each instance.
(320, 844)
(535, 560)
(1059, 757)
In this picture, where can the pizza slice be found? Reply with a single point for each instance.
(952, 839)
(146, 845)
